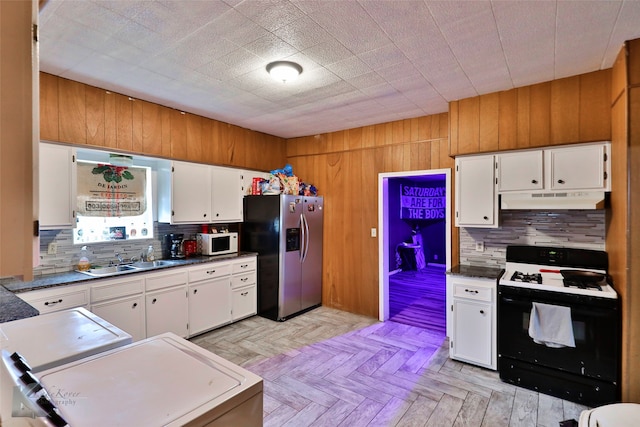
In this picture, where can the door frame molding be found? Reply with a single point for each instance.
(383, 238)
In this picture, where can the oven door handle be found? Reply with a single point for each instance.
(592, 312)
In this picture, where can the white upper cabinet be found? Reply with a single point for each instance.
(578, 167)
(184, 193)
(520, 170)
(193, 193)
(226, 186)
(569, 168)
(476, 196)
(57, 186)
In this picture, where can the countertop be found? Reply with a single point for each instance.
(474, 271)
(14, 308)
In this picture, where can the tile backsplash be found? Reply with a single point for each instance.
(584, 229)
(100, 253)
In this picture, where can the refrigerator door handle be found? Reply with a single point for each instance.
(302, 238)
(305, 236)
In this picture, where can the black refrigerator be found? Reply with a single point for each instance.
(286, 232)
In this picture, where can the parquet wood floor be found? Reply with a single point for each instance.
(332, 368)
(418, 298)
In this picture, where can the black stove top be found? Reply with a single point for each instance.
(527, 278)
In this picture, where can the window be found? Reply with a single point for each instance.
(114, 202)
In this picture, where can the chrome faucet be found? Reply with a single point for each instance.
(120, 259)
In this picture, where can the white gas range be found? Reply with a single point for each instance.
(545, 268)
(559, 324)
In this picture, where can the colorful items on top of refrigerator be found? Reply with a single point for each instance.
(282, 181)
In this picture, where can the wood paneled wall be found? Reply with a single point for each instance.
(16, 140)
(623, 239)
(563, 111)
(76, 113)
(344, 166)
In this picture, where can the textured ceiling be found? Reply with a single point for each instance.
(364, 62)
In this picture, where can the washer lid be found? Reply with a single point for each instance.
(153, 382)
(57, 338)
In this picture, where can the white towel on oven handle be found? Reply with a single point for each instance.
(551, 325)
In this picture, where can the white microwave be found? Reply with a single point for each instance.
(217, 243)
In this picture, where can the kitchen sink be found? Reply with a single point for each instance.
(126, 268)
(109, 271)
(143, 265)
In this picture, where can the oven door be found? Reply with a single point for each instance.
(595, 328)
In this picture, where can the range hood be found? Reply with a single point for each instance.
(547, 200)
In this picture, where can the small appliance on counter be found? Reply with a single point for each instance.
(217, 243)
(172, 246)
(190, 248)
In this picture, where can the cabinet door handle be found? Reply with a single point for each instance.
(135, 304)
(204, 216)
(481, 311)
(244, 294)
(486, 218)
(534, 181)
(244, 279)
(561, 181)
(154, 301)
(244, 266)
(210, 271)
(195, 291)
(53, 302)
(473, 291)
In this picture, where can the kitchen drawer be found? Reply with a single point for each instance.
(239, 280)
(48, 302)
(209, 271)
(244, 302)
(478, 293)
(109, 289)
(165, 280)
(247, 264)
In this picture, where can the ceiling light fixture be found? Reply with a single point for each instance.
(284, 71)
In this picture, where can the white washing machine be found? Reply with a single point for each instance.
(46, 341)
(160, 381)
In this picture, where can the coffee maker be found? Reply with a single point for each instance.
(172, 246)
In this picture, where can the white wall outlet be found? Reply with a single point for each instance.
(479, 246)
(52, 249)
(374, 232)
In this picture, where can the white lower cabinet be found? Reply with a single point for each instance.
(125, 313)
(209, 305)
(473, 321)
(57, 299)
(244, 289)
(121, 303)
(166, 305)
(185, 300)
(244, 302)
(167, 311)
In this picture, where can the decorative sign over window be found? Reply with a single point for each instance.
(108, 190)
(422, 202)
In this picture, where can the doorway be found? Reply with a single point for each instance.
(414, 214)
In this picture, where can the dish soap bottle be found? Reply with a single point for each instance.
(83, 262)
(151, 256)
